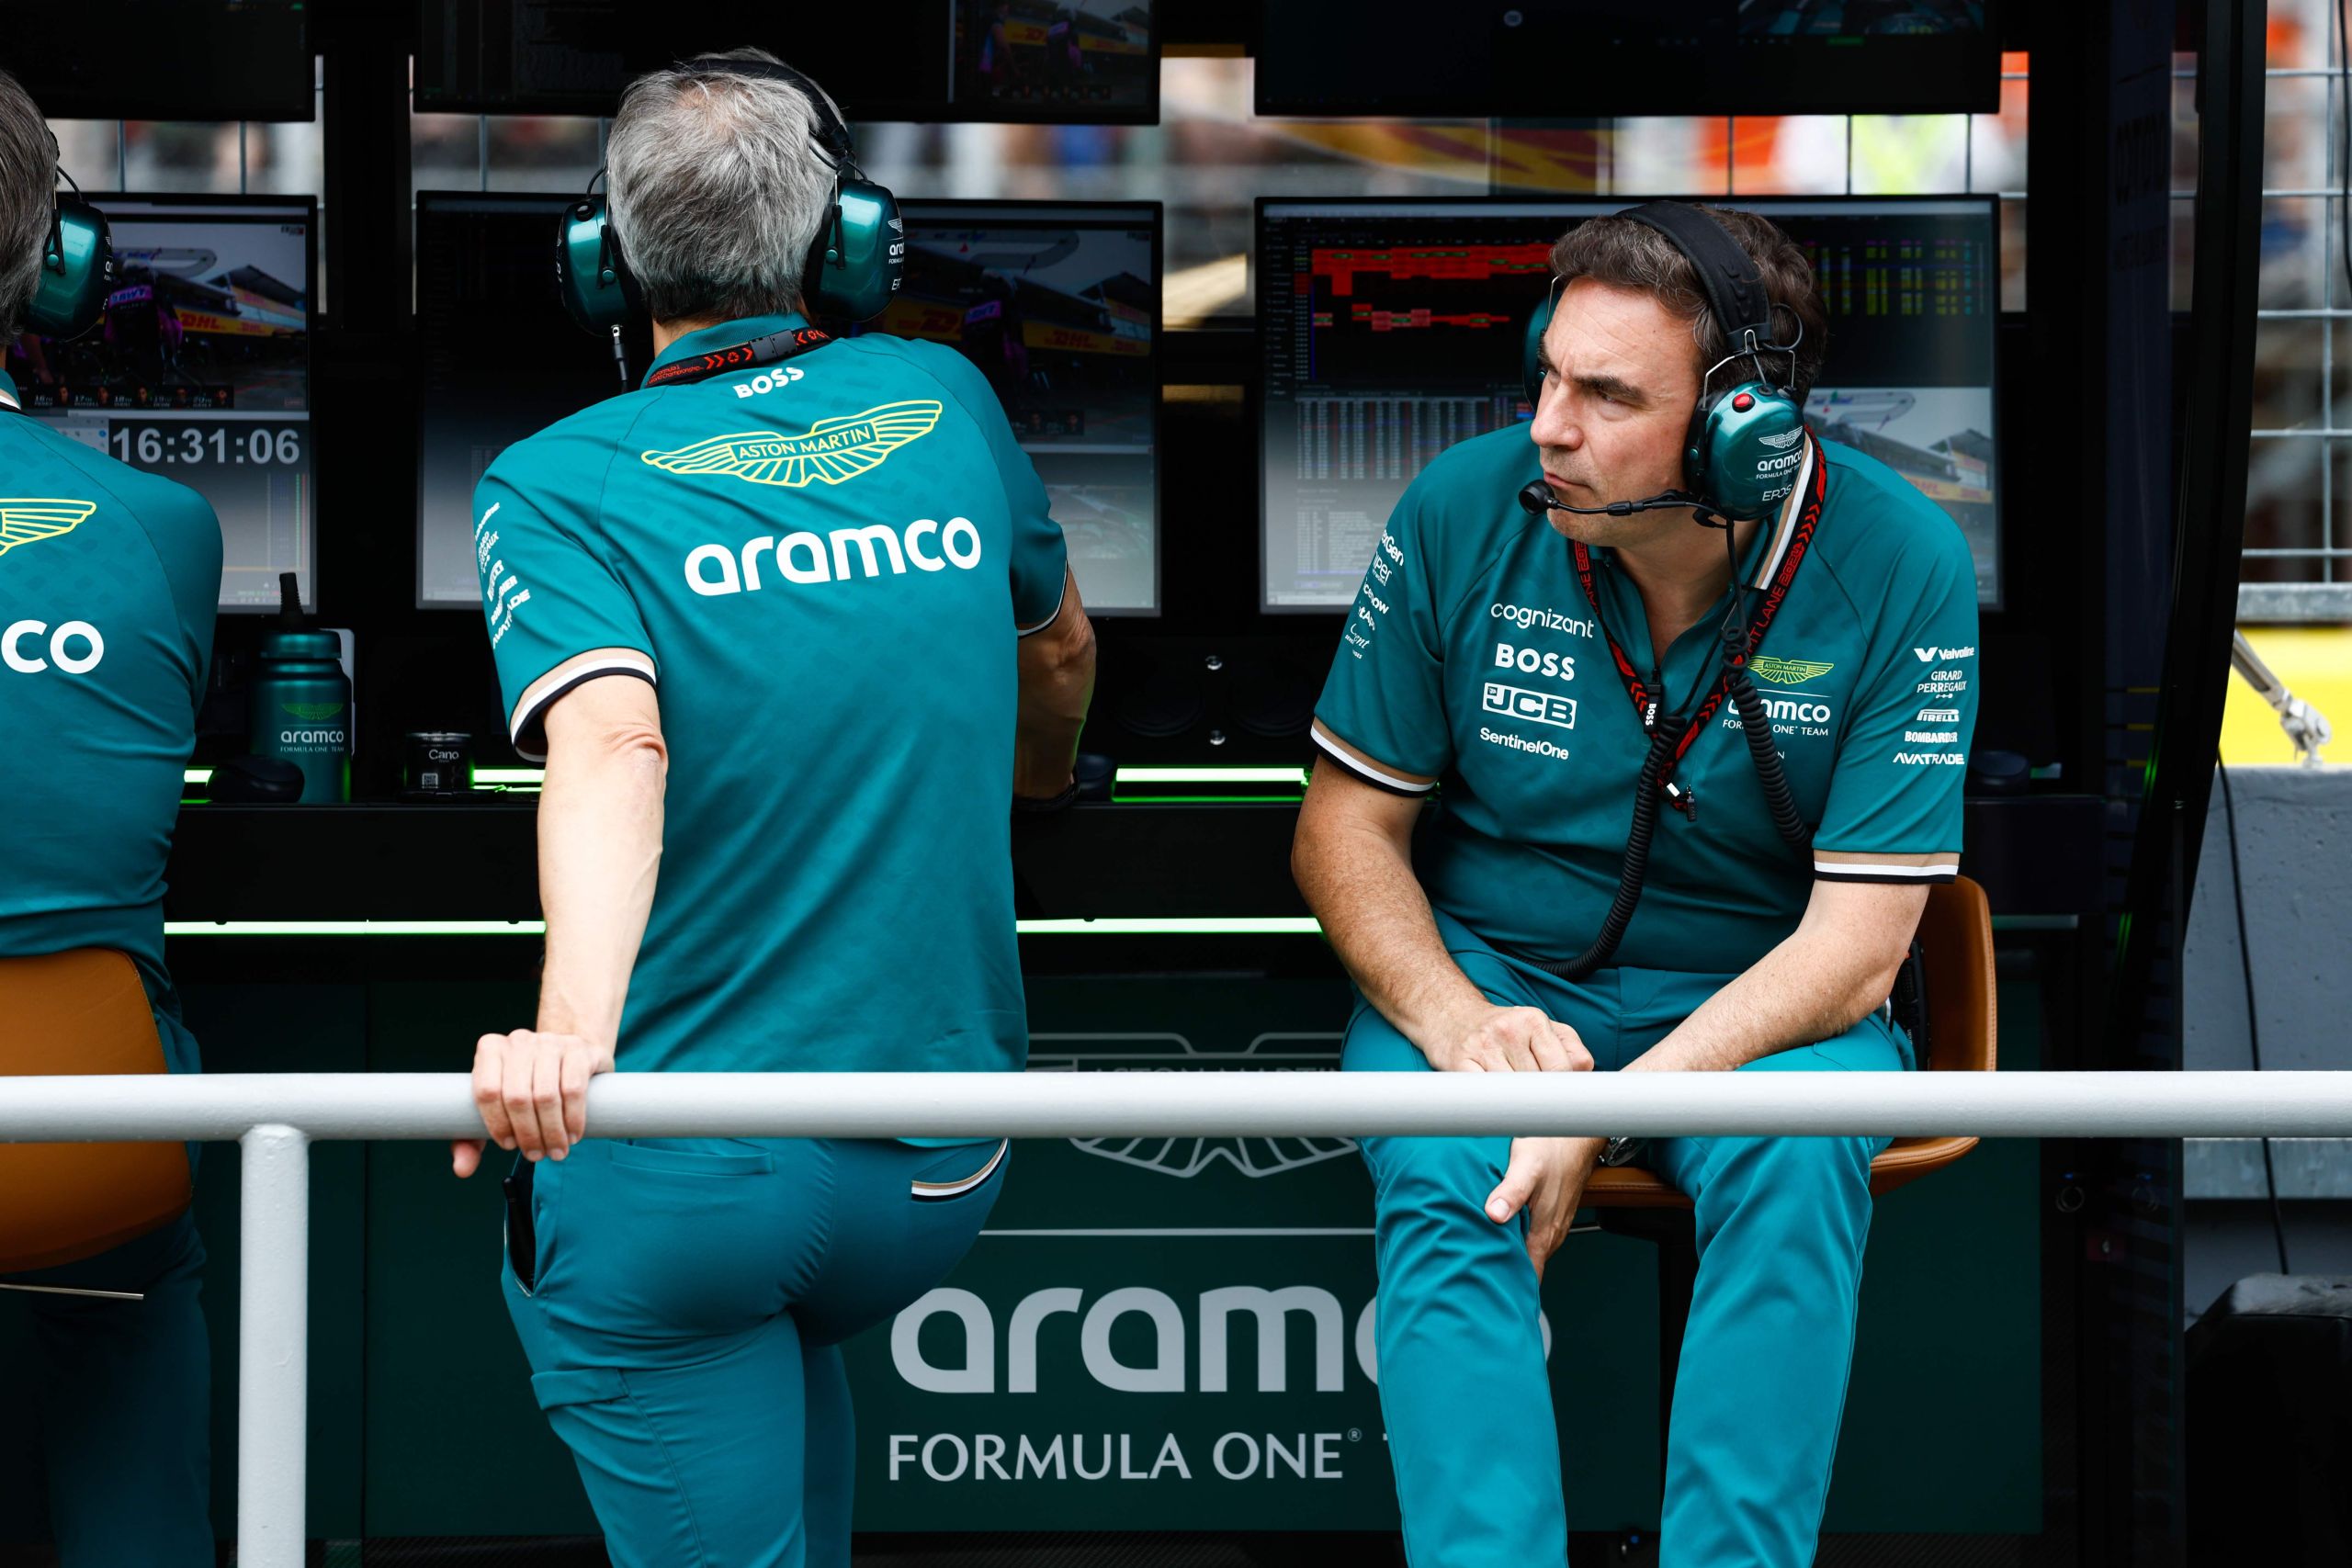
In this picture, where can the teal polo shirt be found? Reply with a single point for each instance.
(822, 566)
(1471, 657)
(109, 581)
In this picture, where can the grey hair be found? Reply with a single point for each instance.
(28, 195)
(719, 187)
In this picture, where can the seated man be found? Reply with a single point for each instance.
(792, 853)
(109, 579)
(1547, 676)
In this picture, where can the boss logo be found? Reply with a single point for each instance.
(1537, 707)
(769, 381)
(1535, 661)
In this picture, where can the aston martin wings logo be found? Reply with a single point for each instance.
(25, 519)
(1788, 672)
(1783, 441)
(831, 450)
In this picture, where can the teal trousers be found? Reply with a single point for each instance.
(1781, 1223)
(682, 1302)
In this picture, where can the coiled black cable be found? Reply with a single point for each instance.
(1634, 869)
(1770, 775)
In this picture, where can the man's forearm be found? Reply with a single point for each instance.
(1815, 986)
(1055, 689)
(1362, 888)
(600, 851)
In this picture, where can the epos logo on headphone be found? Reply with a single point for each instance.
(831, 450)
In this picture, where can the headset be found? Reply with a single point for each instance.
(1741, 454)
(77, 269)
(852, 266)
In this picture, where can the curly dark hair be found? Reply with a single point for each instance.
(1626, 254)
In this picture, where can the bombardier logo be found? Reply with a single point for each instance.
(27, 519)
(831, 450)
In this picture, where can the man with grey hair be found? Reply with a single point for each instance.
(849, 645)
(109, 577)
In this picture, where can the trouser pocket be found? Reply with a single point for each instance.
(521, 1230)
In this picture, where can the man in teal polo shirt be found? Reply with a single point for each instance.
(1476, 658)
(109, 579)
(794, 629)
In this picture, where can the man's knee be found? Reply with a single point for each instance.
(1815, 1175)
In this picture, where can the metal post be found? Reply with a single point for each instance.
(273, 1347)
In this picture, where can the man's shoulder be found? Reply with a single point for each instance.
(1465, 504)
(175, 516)
(568, 461)
(1879, 528)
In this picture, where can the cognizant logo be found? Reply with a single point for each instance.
(714, 569)
(74, 647)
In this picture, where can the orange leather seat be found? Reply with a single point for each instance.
(1956, 951)
(83, 1011)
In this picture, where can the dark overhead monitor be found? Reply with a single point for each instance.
(1074, 62)
(199, 370)
(1058, 305)
(1577, 59)
(1391, 330)
(200, 59)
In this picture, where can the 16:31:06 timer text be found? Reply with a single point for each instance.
(221, 444)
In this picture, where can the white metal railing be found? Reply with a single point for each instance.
(276, 1116)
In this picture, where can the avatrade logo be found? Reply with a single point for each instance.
(1782, 442)
(854, 552)
(1930, 655)
(831, 450)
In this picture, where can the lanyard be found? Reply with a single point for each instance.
(772, 349)
(1648, 703)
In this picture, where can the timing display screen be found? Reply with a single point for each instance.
(1392, 330)
(1058, 306)
(199, 370)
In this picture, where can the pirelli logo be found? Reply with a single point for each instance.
(1536, 708)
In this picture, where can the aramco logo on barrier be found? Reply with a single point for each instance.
(1162, 1053)
(1172, 1339)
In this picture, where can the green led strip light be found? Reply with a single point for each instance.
(1295, 776)
(1189, 925)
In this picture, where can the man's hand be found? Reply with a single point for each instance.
(1508, 1039)
(532, 1090)
(1546, 1177)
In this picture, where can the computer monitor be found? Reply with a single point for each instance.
(1392, 330)
(498, 360)
(1080, 62)
(1058, 305)
(199, 370)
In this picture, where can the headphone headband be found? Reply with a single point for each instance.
(832, 135)
(1735, 288)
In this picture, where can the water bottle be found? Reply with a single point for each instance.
(301, 701)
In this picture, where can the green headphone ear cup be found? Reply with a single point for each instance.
(853, 265)
(1754, 447)
(592, 275)
(76, 273)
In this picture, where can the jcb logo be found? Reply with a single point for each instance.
(1537, 707)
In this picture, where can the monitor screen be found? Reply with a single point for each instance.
(202, 60)
(1082, 61)
(1392, 330)
(1543, 59)
(199, 370)
(1058, 305)
(498, 360)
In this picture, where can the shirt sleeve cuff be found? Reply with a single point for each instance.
(527, 727)
(1366, 772)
